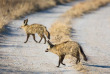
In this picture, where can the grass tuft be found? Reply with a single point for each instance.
(61, 30)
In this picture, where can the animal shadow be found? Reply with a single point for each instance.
(100, 66)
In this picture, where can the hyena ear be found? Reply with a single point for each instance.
(25, 22)
(50, 44)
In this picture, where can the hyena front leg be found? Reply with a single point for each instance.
(34, 37)
(59, 61)
(44, 39)
(28, 35)
(61, 58)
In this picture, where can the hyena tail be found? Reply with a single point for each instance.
(47, 33)
(82, 52)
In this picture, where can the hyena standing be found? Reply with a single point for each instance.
(35, 28)
(65, 48)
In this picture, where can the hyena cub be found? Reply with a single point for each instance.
(65, 48)
(35, 28)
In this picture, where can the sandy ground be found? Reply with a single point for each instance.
(16, 57)
(92, 31)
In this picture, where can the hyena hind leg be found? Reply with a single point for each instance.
(34, 37)
(28, 35)
(78, 58)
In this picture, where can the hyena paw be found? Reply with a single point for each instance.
(24, 42)
(57, 66)
(36, 42)
(63, 64)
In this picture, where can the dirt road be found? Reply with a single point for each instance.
(93, 33)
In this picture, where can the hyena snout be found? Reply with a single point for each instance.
(46, 50)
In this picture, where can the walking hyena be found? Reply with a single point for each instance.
(35, 28)
(65, 48)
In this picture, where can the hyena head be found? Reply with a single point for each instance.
(24, 23)
(50, 47)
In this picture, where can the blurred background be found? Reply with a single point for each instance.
(11, 9)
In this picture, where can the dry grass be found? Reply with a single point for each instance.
(61, 31)
(58, 30)
(12, 9)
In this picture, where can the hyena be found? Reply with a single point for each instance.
(35, 28)
(66, 48)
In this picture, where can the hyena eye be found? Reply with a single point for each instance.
(51, 46)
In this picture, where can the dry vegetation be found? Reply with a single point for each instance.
(60, 31)
(11, 9)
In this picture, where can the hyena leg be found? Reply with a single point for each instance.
(41, 38)
(62, 58)
(44, 39)
(34, 37)
(78, 58)
(28, 35)
(59, 61)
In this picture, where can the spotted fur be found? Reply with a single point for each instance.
(66, 48)
(35, 28)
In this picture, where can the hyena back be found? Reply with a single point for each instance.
(66, 48)
(35, 28)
